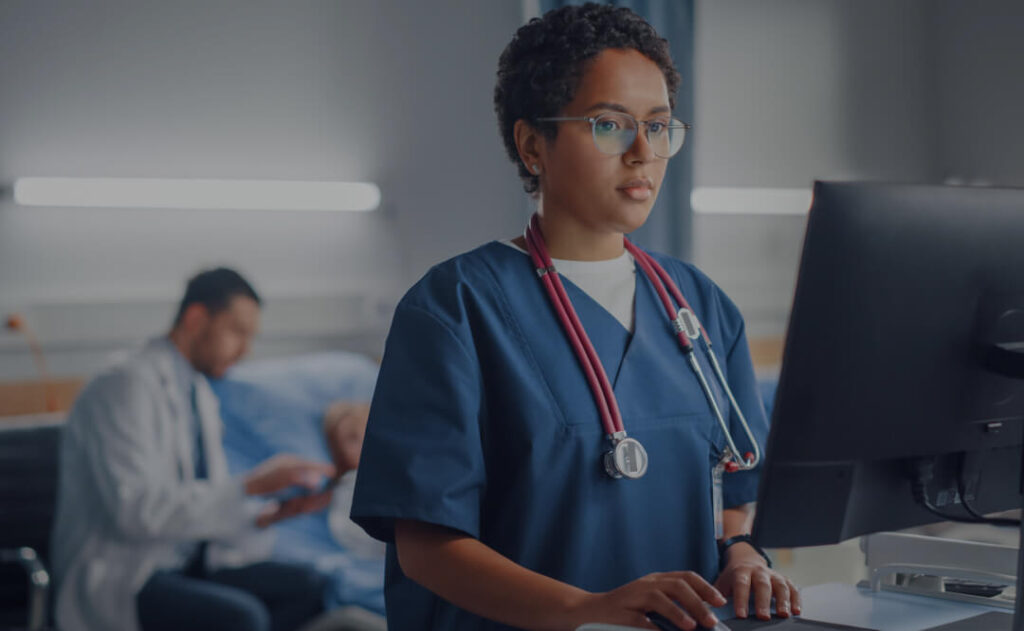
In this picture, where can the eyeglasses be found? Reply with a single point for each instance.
(615, 132)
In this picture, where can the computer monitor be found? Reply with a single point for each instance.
(907, 298)
(903, 357)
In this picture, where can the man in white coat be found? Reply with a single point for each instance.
(147, 514)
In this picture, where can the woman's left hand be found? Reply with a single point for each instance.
(746, 570)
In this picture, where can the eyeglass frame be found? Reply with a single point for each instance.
(593, 128)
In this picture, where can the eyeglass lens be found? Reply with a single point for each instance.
(615, 133)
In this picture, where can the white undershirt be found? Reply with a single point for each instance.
(611, 283)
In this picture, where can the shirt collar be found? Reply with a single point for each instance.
(183, 370)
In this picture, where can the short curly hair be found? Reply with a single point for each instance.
(540, 69)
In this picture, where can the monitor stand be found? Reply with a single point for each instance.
(1008, 360)
(1018, 608)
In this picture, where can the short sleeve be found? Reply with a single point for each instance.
(741, 487)
(422, 457)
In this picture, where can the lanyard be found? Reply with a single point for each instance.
(628, 458)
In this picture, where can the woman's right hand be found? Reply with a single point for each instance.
(681, 597)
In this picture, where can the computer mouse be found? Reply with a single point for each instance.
(664, 624)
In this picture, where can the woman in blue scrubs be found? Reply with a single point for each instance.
(482, 466)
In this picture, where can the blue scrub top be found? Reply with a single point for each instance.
(482, 421)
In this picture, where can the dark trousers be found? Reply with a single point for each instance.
(265, 596)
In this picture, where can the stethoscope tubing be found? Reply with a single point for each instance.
(660, 279)
(597, 379)
(608, 407)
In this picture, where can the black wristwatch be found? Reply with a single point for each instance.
(725, 543)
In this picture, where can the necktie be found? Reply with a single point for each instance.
(198, 453)
(195, 565)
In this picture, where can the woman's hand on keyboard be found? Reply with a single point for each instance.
(746, 571)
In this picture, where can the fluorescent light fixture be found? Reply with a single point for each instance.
(750, 201)
(197, 194)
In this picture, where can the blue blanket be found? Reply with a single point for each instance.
(277, 406)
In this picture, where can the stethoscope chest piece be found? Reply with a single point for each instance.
(628, 459)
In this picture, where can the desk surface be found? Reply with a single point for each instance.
(846, 604)
(886, 611)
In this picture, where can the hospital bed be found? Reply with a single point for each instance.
(277, 405)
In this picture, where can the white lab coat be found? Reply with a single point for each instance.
(128, 498)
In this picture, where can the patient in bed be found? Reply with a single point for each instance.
(314, 406)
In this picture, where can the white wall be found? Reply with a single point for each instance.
(399, 93)
(393, 92)
(979, 90)
(791, 91)
(788, 92)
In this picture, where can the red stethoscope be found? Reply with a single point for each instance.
(627, 457)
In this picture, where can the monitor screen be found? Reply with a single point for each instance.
(902, 375)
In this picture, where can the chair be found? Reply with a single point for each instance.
(29, 456)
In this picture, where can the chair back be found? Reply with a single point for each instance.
(29, 457)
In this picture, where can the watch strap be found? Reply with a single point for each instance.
(725, 544)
